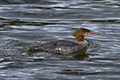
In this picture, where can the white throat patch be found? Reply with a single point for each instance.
(83, 42)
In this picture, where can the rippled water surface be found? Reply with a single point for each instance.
(26, 23)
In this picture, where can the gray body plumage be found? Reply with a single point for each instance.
(60, 46)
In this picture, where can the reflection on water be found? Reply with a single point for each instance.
(26, 23)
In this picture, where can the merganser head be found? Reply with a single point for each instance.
(81, 32)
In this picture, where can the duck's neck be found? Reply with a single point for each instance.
(79, 38)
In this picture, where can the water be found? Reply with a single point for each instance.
(25, 23)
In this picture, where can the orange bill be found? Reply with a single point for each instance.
(92, 33)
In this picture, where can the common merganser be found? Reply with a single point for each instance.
(63, 46)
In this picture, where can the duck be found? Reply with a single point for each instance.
(64, 46)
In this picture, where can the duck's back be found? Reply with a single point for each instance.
(60, 46)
